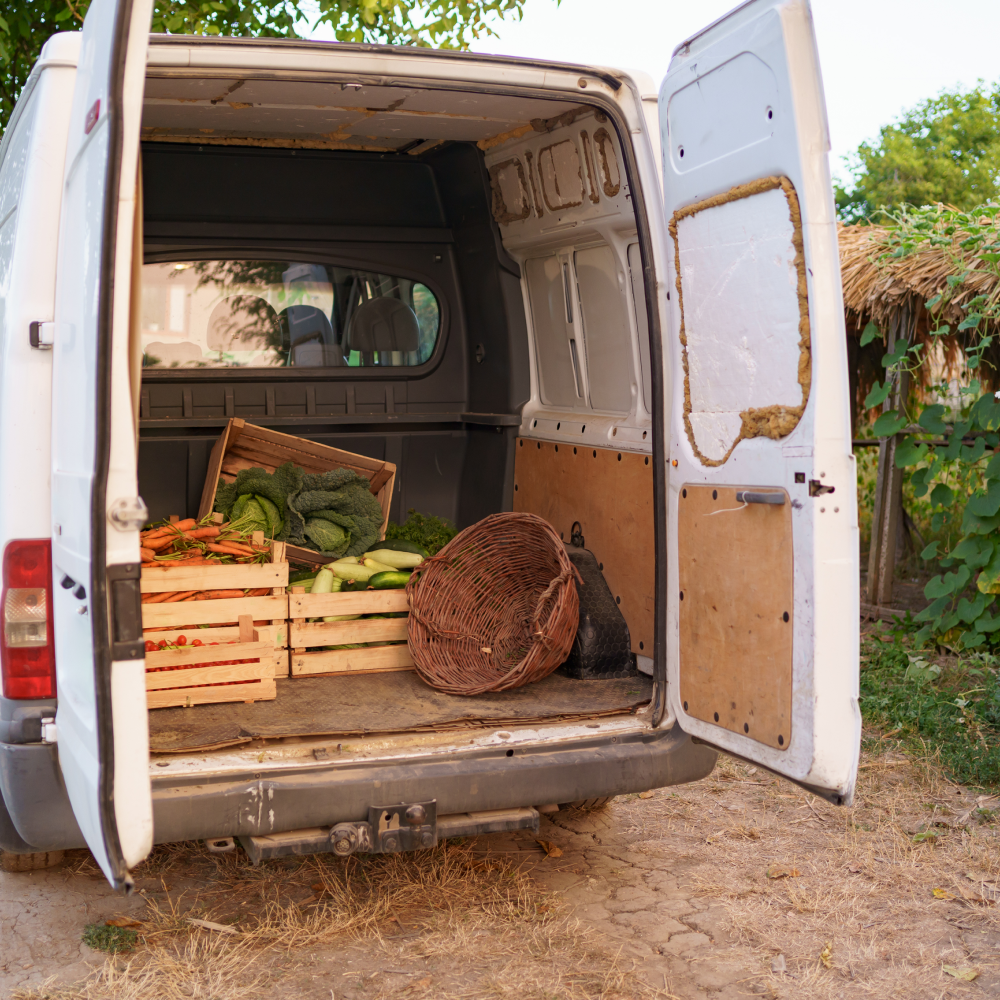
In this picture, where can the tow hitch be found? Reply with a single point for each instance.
(409, 826)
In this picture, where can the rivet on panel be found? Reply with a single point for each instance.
(581, 83)
(716, 716)
(685, 706)
(682, 595)
(715, 494)
(684, 494)
(784, 617)
(674, 463)
(781, 740)
(746, 727)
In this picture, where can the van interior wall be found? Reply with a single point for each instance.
(448, 427)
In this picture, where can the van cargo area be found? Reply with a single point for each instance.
(283, 224)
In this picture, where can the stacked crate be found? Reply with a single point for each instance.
(303, 634)
(246, 628)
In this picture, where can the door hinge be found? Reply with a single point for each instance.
(125, 610)
(128, 513)
(41, 335)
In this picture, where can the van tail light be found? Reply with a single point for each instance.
(27, 652)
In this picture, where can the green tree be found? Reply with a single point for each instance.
(26, 24)
(945, 150)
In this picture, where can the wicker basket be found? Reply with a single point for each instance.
(496, 608)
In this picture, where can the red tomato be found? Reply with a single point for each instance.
(162, 644)
(196, 642)
(150, 646)
(181, 640)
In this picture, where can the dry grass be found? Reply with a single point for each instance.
(481, 916)
(866, 887)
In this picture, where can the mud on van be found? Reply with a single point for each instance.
(628, 315)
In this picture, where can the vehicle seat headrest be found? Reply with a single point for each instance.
(383, 324)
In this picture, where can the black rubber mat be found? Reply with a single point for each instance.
(385, 703)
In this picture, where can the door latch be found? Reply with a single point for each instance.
(817, 489)
(125, 608)
(128, 513)
(41, 335)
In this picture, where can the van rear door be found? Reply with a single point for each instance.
(762, 598)
(101, 720)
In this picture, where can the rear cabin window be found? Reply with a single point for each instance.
(277, 314)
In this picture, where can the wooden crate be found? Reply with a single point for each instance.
(197, 678)
(246, 446)
(217, 621)
(371, 659)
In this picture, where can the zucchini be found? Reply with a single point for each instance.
(323, 584)
(379, 567)
(353, 571)
(350, 585)
(400, 545)
(390, 580)
(397, 560)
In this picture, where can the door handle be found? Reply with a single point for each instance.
(748, 496)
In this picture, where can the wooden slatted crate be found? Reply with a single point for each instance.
(193, 675)
(217, 620)
(303, 634)
(247, 446)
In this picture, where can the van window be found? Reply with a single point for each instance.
(274, 314)
(606, 331)
(15, 153)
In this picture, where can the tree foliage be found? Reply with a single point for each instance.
(945, 150)
(26, 24)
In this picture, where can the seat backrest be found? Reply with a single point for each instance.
(383, 324)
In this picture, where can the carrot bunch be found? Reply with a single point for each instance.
(199, 543)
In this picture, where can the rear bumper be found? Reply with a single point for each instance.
(321, 795)
(199, 807)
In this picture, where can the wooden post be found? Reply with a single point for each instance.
(888, 508)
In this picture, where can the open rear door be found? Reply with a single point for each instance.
(101, 722)
(762, 602)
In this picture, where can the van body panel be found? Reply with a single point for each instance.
(101, 716)
(760, 406)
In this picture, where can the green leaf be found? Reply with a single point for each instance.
(932, 610)
(931, 551)
(970, 322)
(942, 495)
(989, 580)
(930, 419)
(988, 623)
(950, 583)
(933, 301)
(941, 331)
(975, 525)
(972, 453)
(986, 412)
(992, 470)
(918, 481)
(909, 452)
(878, 395)
(888, 424)
(968, 611)
(986, 504)
(970, 639)
(869, 333)
(975, 551)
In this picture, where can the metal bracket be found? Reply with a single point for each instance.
(404, 827)
(817, 489)
(125, 610)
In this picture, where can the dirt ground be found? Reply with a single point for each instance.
(739, 885)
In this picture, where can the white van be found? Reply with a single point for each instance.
(629, 316)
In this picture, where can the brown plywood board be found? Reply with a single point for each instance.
(736, 587)
(611, 494)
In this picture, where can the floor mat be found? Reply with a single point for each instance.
(385, 703)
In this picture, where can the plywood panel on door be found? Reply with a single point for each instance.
(611, 494)
(735, 578)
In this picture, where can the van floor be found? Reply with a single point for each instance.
(391, 702)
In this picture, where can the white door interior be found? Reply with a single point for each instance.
(101, 716)
(763, 546)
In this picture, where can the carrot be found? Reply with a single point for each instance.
(156, 544)
(185, 525)
(182, 595)
(212, 532)
(258, 592)
(230, 549)
(160, 598)
(146, 554)
(216, 595)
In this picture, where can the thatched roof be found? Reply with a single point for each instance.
(878, 291)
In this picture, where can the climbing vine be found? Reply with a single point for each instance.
(958, 469)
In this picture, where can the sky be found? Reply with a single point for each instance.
(877, 56)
